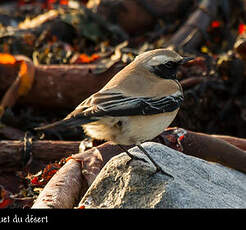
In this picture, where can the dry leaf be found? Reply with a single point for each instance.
(26, 75)
(23, 82)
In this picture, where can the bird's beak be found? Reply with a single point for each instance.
(186, 59)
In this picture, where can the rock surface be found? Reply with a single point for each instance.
(196, 183)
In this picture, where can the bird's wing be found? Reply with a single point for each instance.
(117, 104)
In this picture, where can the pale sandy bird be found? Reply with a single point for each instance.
(136, 105)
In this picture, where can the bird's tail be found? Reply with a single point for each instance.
(66, 123)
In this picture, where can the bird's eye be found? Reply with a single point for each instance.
(161, 67)
(170, 65)
(167, 70)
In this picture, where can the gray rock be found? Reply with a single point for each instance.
(196, 183)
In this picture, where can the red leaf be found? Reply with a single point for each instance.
(215, 24)
(35, 181)
(241, 28)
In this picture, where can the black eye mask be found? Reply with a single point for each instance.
(167, 70)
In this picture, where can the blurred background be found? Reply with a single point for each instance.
(56, 53)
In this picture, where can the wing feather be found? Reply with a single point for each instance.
(119, 105)
(116, 104)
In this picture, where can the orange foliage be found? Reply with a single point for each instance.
(84, 58)
(26, 75)
(64, 2)
(7, 59)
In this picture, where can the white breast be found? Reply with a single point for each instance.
(133, 130)
(142, 128)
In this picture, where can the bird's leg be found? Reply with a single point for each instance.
(158, 168)
(130, 155)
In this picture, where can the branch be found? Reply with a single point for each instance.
(59, 86)
(192, 32)
(11, 152)
(226, 150)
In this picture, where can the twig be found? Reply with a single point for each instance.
(192, 32)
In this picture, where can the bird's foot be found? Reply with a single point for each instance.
(158, 168)
(133, 157)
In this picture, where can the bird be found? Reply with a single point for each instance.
(136, 105)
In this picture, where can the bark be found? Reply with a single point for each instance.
(191, 81)
(226, 150)
(141, 14)
(192, 32)
(238, 142)
(94, 159)
(63, 189)
(11, 156)
(216, 149)
(59, 86)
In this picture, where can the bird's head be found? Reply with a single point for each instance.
(163, 63)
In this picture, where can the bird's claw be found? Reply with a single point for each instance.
(135, 158)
